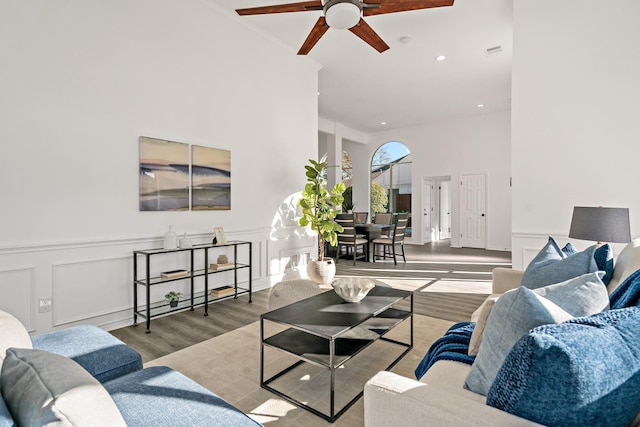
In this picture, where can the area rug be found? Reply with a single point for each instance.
(229, 365)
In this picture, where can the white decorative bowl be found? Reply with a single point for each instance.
(353, 289)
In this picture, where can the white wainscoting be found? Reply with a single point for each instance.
(18, 289)
(91, 282)
(526, 246)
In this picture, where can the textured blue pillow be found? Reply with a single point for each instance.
(628, 293)
(604, 260)
(569, 249)
(519, 310)
(551, 265)
(583, 372)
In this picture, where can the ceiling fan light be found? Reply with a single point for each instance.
(342, 16)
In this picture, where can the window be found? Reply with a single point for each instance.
(391, 176)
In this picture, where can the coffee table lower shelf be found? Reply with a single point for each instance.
(332, 354)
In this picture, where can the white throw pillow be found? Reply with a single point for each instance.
(12, 334)
(481, 321)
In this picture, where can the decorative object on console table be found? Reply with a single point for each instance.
(170, 239)
(319, 208)
(174, 274)
(221, 263)
(223, 291)
(603, 225)
(185, 242)
(219, 238)
(173, 298)
(219, 266)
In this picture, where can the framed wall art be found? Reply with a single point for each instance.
(210, 178)
(164, 175)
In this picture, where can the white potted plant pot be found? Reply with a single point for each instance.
(322, 272)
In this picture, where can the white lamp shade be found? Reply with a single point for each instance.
(342, 16)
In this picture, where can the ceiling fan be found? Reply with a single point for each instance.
(346, 14)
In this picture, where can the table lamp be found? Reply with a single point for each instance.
(610, 225)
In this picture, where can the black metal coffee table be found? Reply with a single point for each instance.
(327, 332)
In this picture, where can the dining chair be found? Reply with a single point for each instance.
(383, 218)
(396, 239)
(348, 238)
(361, 217)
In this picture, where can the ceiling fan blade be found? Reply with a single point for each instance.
(316, 33)
(366, 33)
(282, 8)
(379, 7)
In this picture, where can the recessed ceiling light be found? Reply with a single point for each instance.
(383, 123)
(480, 105)
(318, 93)
(440, 58)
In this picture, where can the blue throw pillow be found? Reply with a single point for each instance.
(551, 265)
(628, 293)
(604, 260)
(569, 249)
(519, 310)
(583, 372)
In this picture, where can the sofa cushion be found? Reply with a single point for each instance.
(160, 396)
(42, 388)
(96, 350)
(519, 310)
(551, 265)
(12, 334)
(627, 261)
(585, 371)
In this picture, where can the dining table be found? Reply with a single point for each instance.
(372, 231)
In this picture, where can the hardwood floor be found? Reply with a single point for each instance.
(458, 277)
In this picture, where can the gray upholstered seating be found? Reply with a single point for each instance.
(290, 291)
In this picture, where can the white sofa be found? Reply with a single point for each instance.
(439, 398)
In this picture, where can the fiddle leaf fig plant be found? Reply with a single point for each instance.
(319, 206)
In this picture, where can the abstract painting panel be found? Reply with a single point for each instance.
(210, 178)
(164, 175)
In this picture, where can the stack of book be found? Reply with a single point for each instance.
(174, 274)
(222, 292)
(215, 267)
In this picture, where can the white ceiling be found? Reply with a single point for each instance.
(404, 86)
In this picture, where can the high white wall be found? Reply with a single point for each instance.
(474, 145)
(80, 82)
(575, 115)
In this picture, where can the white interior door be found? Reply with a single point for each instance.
(427, 210)
(445, 210)
(473, 196)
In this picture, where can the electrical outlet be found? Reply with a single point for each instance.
(45, 305)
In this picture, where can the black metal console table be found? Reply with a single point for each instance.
(149, 311)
